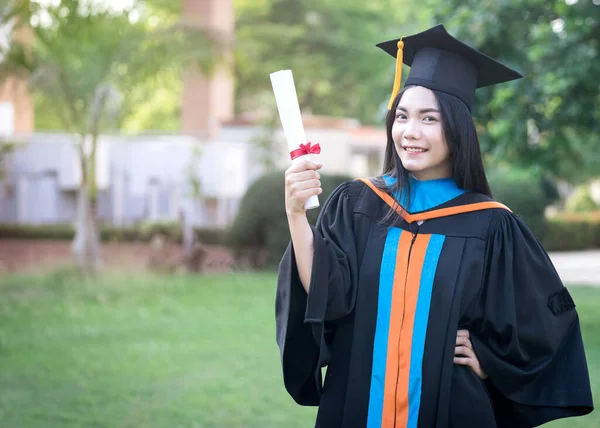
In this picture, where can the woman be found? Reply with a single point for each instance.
(431, 304)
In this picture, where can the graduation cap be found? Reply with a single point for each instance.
(439, 61)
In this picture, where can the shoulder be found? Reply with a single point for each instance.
(350, 190)
(491, 217)
(355, 190)
(356, 196)
(503, 222)
(347, 194)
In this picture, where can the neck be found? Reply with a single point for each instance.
(430, 175)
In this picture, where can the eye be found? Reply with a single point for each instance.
(400, 116)
(430, 119)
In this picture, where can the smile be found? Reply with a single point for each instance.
(414, 150)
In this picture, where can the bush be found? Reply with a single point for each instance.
(108, 233)
(259, 233)
(526, 193)
(53, 231)
(568, 233)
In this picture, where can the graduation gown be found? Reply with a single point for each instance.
(385, 304)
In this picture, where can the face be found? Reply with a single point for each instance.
(418, 135)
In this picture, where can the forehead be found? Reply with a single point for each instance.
(418, 97)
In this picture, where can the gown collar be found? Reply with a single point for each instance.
(426, 194)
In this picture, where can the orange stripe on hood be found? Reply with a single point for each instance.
(443, 212)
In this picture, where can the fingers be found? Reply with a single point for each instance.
(303, 195)
(463, 361)
(465, 356)
(463, 333)
(294, 178)
(464, 351)
(304, 165)
(302, 176)
(304, 185)
(472, 364)
(463, 341)
(301, 182)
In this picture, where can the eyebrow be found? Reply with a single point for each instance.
(423, 110)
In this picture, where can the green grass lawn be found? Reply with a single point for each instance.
(149, 351)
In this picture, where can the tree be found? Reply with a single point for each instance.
(330, 47)
(87, 60)
(551, 117)
(5, 148)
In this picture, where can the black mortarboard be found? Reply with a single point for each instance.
(439, 61)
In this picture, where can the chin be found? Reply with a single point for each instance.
(412, 167)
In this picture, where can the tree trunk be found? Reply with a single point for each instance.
(86, 244)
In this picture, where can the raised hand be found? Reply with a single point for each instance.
(301, 182)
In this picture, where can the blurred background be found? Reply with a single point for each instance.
(141, 185)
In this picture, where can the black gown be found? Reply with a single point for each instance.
(385, 304)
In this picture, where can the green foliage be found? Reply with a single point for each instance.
(155, 105)
(140, 233)
(191, 172)
(524, 192)
(86, 62)
(581, 200)
(265, 148)
(55, 231)
(261, 223)
(527, 194)
(330, 47)
(551, 117)
(91, 66)
(566, 234)
(6, 148)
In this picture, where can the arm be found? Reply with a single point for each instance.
(303, 241)
(525, 330)
(330, 271)
(301, 182)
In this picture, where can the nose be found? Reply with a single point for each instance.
(412, 130)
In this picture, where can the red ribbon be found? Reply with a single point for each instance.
(305, 149)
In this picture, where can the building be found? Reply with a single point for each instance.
(153, 177)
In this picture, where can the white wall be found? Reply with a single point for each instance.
(148, 177)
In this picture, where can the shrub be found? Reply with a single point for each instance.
(53, 231)
(567, 232)
(569, 235)
(260, 228)
(526, 193)
(109, 233)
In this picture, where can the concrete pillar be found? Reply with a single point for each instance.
(15, 99)
(208, 100)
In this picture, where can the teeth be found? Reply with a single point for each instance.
(414, 150)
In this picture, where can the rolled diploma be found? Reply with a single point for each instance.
(291, 119)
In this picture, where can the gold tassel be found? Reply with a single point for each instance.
(398, 78)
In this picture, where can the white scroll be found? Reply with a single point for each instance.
(291, 119)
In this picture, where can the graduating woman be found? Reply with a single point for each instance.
(431, 304)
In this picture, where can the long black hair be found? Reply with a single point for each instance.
(460, 134)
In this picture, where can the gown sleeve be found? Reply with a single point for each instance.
(304, 322)
(526, 332)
